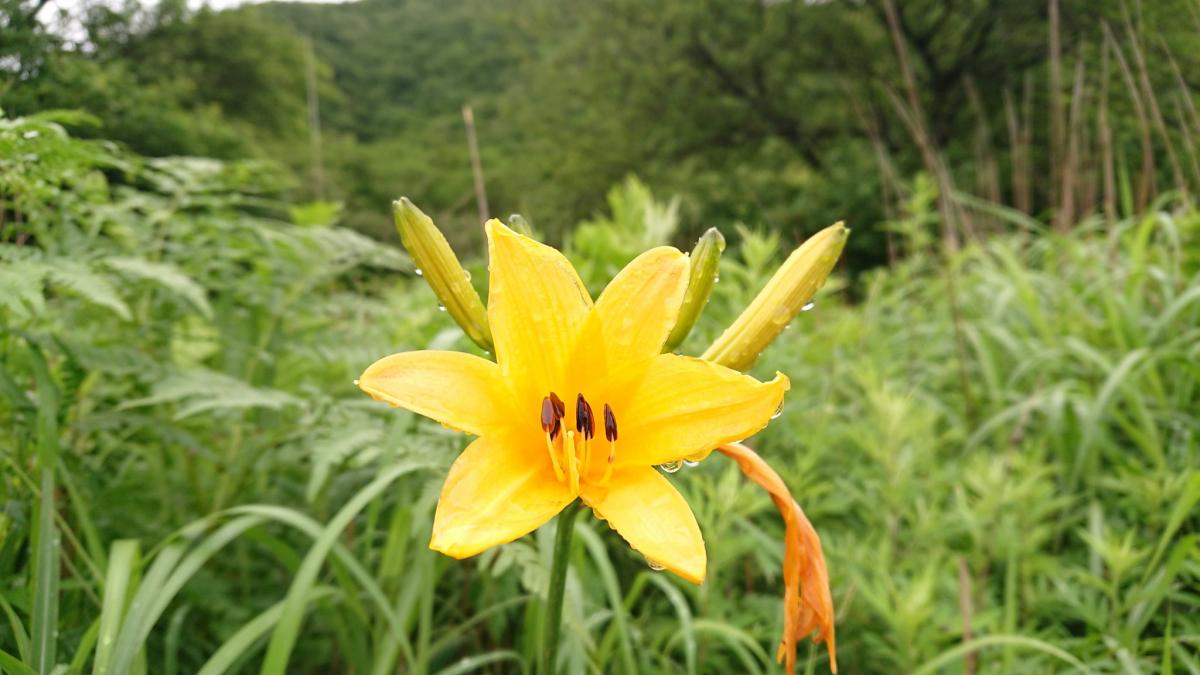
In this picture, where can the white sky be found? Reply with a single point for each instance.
(72, 5)
(72, 31)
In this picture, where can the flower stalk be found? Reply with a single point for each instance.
(436, 262)
(558, 580)
(784, 296)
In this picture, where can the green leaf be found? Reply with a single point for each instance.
(166, 275)
(89, 285)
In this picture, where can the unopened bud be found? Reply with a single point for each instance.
(784, 296)
(436, 262)
(518, 224)
(705, 259)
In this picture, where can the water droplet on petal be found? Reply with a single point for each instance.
(655, 566)
(671, 467)
(419, 272)
(717, 279)
(778, 411)
(690, 463)
(467, 273)
(441, 308)
(808, 307)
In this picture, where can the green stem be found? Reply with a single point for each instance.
(558, 581)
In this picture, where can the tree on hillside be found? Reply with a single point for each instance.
(24, 42)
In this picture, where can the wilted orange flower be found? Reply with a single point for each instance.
(808, 606)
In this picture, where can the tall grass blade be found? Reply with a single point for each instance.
(121, 564)
(283, 639)
(242, 642)
(957, 653)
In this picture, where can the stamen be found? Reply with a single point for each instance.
(551, 423)
(608, 466)
(548, 416)
(558, 470)
(560, 408)
(585, 424)
(610, 424)
(572, 460)
(584, 421)
(610, 433)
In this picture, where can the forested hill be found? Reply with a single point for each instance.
(784, 116)
(402, 73)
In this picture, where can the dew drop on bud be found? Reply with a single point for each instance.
(808, 307)
(441, 308)
(419, 272)
(671, 467)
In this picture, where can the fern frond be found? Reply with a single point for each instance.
(166, 275)
(87, 284)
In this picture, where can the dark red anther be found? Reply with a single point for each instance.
(549, 419)
(560, 408)
(610, 424)
(584, 422)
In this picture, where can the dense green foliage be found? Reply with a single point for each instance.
(1003, 439)
(996, 433)
(783, 115)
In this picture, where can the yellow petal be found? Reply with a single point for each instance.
(495, 493)
(685, 407)
(459, 390)
(653, 517)
(639, 307)
(537, 307)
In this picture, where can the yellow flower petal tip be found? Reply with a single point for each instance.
(650, 514)
(580, 403)
(787, 293)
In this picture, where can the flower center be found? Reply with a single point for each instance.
(571, 449)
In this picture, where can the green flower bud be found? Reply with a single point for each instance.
(784, 296)
(705, 259)
(436, 262)
(518, 224)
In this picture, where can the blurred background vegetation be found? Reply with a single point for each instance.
(993, 420)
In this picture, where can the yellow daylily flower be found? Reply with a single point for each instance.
(580, 403)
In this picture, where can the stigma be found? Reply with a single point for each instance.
(570, 449)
